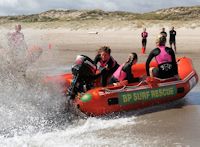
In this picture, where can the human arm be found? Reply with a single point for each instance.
(97, 58)
(129, 76)
(152, 54)
(174, 64)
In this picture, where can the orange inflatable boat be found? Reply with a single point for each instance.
(125, 97)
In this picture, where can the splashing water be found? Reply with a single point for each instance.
(27, 105)
(32, 112)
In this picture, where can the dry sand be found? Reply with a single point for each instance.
(62, 45)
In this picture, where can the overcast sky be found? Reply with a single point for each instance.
(16, 7)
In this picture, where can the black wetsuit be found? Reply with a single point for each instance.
(97, 58)
(144, 38)
(129, 75)
(172, 37)
(111, 67)
(165, 70)
(163, 33)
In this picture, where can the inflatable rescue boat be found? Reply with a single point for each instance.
(125, 97)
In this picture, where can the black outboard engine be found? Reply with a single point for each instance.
(84, 73)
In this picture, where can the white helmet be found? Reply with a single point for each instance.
(79, 59)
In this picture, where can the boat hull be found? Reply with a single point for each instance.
(126, 97)
(101, 101)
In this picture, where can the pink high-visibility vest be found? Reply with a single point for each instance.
(163, 57)
(119, 74)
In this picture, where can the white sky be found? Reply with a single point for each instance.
(16, 7)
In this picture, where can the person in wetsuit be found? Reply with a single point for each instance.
(124, 71)
(84, 74)
(16, 39)
(144, 36)
(165, 57)
(104, 60)
(163, 33)
(172, 38)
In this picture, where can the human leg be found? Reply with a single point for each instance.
(153, 72)
(175, 46)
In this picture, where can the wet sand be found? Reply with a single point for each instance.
(175, 124)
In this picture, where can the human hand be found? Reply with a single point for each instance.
(149, 79)
(143, 77)
(177, 77)
(103, 71)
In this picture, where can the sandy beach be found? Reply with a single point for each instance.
(62, 45)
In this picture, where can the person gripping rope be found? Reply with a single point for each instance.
(124, 71)
(165, 57)
(104, 60)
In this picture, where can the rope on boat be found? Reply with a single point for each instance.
(115, 90)
(124, 87)
(136, 86)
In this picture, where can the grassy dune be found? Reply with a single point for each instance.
(77, 19)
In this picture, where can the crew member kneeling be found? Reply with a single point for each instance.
(165, 57)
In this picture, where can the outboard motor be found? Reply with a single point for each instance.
(84, 74)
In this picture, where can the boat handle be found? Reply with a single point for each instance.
(124, 87)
